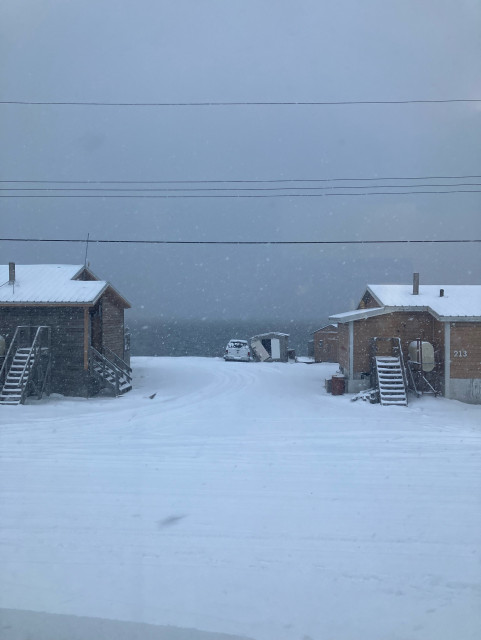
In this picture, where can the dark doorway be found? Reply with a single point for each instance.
(266, 343)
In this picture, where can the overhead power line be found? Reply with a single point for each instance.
(240, 103)
(273, 181)
(241, 189)
(243, 195)
(240, 242)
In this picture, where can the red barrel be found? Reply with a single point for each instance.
(338, 385)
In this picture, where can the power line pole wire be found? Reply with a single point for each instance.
(244, 242)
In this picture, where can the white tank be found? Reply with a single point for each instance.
(422, 352)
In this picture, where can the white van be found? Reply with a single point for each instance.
(237, 350)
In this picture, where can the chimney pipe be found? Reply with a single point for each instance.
(415, 284)
(11, 273)
(441, 293)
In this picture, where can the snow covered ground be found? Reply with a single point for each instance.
(241, 499)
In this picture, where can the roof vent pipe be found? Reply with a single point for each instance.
(415, 284)
(11, 272)
(441, 293)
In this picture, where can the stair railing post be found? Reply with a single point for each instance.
(5, 365)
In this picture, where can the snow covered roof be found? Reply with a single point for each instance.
(327, 326)
(459, 302)
(50, 284)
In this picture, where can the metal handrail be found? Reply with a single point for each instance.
(413, 381)
(27, 363)
(33, 353)
(403, 366)
(10, 348)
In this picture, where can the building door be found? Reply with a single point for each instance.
(276, 349)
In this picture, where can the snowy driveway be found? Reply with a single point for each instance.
(242, 499)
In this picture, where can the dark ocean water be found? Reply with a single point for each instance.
(160, 337)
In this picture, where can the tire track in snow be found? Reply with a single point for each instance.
(215, 386)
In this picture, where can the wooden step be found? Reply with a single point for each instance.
(391, 384)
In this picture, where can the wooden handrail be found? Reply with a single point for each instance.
(107, 365)
(117, 359)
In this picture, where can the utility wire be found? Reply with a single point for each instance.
(278, 180)
(242, 189)
(270, 195)
(234, 103)
(240, 242)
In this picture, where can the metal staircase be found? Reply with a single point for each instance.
(26, 369)
(391, 381)
(110, 370)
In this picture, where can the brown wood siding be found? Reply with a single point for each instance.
(465, 350)
(112, 324)
(96, 327)
(343, 345)
(329, 350)
(67, 331)
(406, 325)
(85, 275)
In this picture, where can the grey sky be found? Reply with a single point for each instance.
(243, 51)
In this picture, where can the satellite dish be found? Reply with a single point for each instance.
(422, 353)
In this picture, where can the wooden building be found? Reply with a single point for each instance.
(326, 344)
(64, 333)
(447, 317)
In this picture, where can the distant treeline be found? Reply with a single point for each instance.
(162, 337)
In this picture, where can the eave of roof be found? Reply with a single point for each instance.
(85, 303)
(459, 303)
(121, 297)
(326, 326)
(109, 286)
(55, 285)
(363, 314)
(358, 314)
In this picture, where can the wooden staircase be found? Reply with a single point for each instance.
(110, 370)
(18, 376)
(391, 380)
(26, 368)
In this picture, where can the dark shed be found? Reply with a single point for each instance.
(63, 331)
